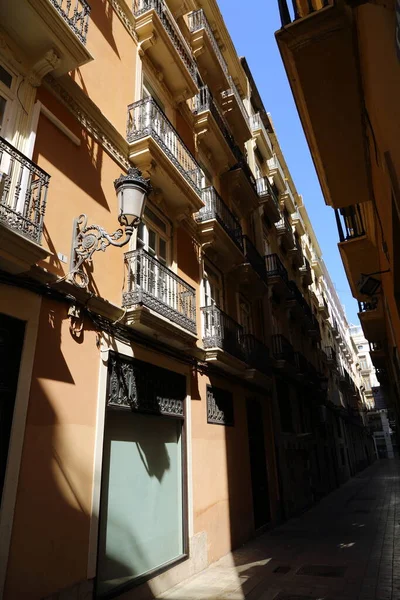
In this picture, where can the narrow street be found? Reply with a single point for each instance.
(346, 548)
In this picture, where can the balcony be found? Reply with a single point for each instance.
(157, 150)
(282, 350)
(285, 233)
(305, 272)
(261, 136)
(378, 353)
(219, 230)
(296, 254)
(257, 262)
(212, 131)
(276, 172)
(49, 25)
(335, 328)
(157, 301)
(297, 223)
(23, 193)
(268, 199)
(277, 276)
(301, 363)
(357, 249)
(316, 265)
(331, 356)
(288, 201)
(313, 327)
(240, 184)
(296, 302)
(318, 53)
(372, 319)
(256, 354)
(323, 308)
(236, 113)
(208, 55)
(161, 39)
(223, 340)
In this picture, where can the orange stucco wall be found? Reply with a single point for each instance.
(109, 79)
(50, 534)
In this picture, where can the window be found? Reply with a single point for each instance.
(6, 98)
(153, 236)
(363, 363)
(148, 92)
(213, 289)
(245, 315)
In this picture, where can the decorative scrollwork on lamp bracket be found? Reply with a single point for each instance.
(89, 239)
(131, 189)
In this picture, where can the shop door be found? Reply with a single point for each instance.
(258, 464)
(11, 340)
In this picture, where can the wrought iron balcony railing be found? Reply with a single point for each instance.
(301, 8)
(330, 353)
(282, 349)
(256, 123)
(145, 118)
(23, 192)
(76, 14)
(220, 331)
(233, 90)
(152, 284)
(215, 208)
(349, 222)
(256, 353)
(254, 258)
(172, 29)
(264, 188)
(368, 306)
(283, 226)
(204, 101)
(275, 267)
(198, 20)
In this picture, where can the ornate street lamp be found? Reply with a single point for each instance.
(132, 190)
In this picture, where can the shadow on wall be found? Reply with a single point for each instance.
(50, 537)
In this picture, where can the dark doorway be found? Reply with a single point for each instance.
(258, 464)
(11, 341)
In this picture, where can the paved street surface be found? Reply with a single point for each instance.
(347, 548)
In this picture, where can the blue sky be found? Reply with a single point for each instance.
(252, 32)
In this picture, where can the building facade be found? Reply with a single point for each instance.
(342, 62)
(169, 392)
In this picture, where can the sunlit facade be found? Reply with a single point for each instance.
(171, 393)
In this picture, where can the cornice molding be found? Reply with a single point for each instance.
(90, 117)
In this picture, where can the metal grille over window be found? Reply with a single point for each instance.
(219, 406)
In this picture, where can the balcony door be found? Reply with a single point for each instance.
(245, 315)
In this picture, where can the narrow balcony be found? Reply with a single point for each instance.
(321, 41)
(314, 330)
(276, 172)
(357, 248)
(331, 356)
(241, 185)
(236, 114)
(209, 58)
(161, 39)
(285, 233)
(316, 265)
(159, 302)
(282, 350)
(277, 276)
(212, 131)
(305, 272)
(157, 150)
(261, 136)
(372, 319)
(296, 302)
(23, 194)
(268, 199)
(257, 262)
(335, 328)
(259, 368)
(219, 230)
(297, 223)
(50, 26)
(223, 340)
(378, 354)
(323, 307)
(296, 254)
(288, 201)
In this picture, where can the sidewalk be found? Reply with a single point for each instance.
(346, 548)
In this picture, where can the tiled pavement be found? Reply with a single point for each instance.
(356, 528)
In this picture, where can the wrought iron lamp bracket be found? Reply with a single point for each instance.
(89, 239)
